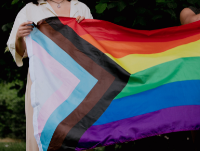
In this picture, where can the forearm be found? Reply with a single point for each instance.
(23, 31)
(20, 46)
(188, 16)
(194, 18)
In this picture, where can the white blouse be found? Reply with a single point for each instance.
(36, 13)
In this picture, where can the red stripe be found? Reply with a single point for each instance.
(103, 30)
(71, 22)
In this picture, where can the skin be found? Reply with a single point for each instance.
(188, 16)
(24, 29)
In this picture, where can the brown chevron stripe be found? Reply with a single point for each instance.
(105, 79)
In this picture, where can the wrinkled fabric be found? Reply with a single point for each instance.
(97, 83)
(36, 13)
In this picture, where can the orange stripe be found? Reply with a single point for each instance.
(121, 49)
(94, 42)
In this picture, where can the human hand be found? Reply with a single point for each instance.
(80, 18)
(24, 30)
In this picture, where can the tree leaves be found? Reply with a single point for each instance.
(119, 18)
(103, 4)
(100, 8)
(160, 1)
(7, 27)
(14, 2)
(121, 5)
(112, 5)
(12, 111)
(172, 5)
(142, 14)
(192, 1)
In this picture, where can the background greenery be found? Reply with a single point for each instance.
(20, 146)
(137, 14)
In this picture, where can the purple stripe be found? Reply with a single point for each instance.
(181, 118)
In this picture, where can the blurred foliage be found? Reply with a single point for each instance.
(12, 114)
(137, 14)
(141, 14)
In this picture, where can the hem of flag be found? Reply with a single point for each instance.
(134, 139)
(32, 94)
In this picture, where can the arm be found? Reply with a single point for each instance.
(188, 16)
(22, 31)
(86, 13)
(16, 43)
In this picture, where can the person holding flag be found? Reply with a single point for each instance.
(34, 11)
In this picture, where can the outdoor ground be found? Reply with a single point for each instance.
(12, 145)
(180, 141)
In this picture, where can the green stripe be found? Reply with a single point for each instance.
(177, 70)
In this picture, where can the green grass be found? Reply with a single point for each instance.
(20, 146)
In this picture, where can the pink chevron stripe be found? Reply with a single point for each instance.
(58, 97)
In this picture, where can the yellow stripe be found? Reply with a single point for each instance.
(137, 62)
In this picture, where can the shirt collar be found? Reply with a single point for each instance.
(41, 2)
(44, 2)
(73, 10)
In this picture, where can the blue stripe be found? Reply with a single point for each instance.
(170, 95)
(87, 82)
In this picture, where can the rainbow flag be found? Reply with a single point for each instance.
(97, 83)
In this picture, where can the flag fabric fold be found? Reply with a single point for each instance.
(96, 83)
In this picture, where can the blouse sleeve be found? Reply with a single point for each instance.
(88, 14)
(85, 11)
(21, 17)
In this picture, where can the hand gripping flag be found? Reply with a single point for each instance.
(97, 83)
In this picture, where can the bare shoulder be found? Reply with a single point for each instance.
(186, 15)
(186, 12)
